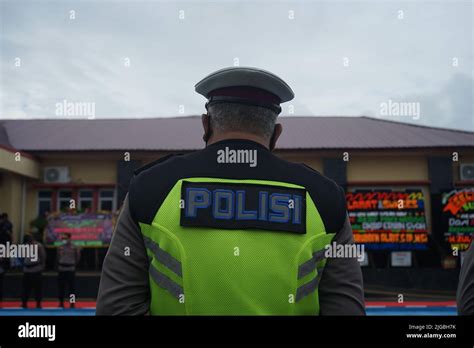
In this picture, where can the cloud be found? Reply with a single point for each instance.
(449, 106)
(83, 59)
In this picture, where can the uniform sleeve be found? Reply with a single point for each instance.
(341, 290)
(465, 293)
(124, 288)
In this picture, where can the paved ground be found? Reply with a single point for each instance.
(87, 308)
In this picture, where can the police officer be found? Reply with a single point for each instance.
(5, 238)
(232, 229)
(67, 258)
(33, 267)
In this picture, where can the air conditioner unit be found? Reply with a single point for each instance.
(467, 171)
(56, 175)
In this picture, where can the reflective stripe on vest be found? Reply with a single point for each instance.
(166, 283)
(305, 269)
(309, 266)
(163, 257)
(307, 288)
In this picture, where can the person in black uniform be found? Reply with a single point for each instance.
(33, 267)
(242, 108)
(68, 256)
(5, 237)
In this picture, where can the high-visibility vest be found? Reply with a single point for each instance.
(209, 271)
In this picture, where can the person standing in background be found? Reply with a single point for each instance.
(5, 237)
(32, 273)
(68, 257)
(6, 227)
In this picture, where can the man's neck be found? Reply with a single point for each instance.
(237, 135)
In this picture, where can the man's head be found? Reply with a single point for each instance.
(232, 120)
(243, 103)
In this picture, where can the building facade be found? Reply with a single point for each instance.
(47, 164)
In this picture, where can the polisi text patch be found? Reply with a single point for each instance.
(243, 206)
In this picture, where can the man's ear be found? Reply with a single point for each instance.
(206, 125)
(276, 134)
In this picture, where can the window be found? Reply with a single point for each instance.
(64, 198)
(107, 199)
(45, 201)
(86, 198)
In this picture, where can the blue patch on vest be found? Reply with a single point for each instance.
(243, 206)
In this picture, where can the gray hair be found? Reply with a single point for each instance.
(231, 117)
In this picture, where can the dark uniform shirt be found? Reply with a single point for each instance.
(124, 287)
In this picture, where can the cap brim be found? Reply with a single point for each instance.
(245, 76)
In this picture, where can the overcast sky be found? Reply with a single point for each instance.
(344, 58)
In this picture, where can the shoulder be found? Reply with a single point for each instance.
(152, 182)
(328, 196)
(156, 163)
(156, 173)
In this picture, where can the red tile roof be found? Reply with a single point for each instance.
(185, 133)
